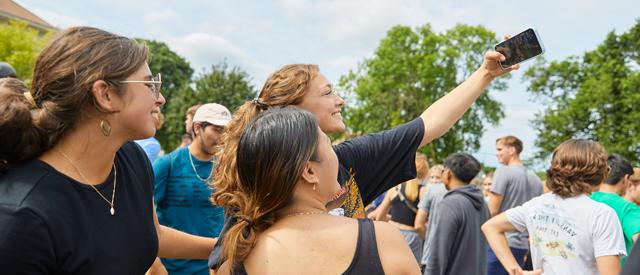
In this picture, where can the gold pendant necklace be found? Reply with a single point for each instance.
(111, 203)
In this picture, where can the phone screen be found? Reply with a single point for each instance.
(519, 48)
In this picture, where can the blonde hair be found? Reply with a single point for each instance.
(192, 110)
(511, 141)
(412, 187)
(438, 168)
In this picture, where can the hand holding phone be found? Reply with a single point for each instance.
(519, 48)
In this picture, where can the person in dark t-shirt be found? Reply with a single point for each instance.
(76, 196)
(369, 164)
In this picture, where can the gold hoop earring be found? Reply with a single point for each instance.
(105, 127)
(314, 186)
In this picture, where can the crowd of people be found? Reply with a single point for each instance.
(86, 189)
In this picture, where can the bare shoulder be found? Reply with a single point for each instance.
(386, 232)
(395, 255)
(223, 270)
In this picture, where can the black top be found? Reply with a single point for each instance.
(374, 163)
(366, 260)
(400, 211)
(52, 224)
(369, 165)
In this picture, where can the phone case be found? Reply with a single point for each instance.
(539, 42)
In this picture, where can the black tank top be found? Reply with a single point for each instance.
(366, 259)
(400, 212)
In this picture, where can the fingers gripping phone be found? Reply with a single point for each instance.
(519, 48)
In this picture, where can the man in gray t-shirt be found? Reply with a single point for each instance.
(427, 209)
(512, 186)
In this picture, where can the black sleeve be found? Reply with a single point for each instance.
(382, 160)
(26, 246)
(632, 264)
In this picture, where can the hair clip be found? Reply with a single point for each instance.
(260, 104)
(30, 99)
(245, 219)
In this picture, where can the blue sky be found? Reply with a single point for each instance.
(260, 36)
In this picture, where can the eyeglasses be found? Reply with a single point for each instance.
(154, 84)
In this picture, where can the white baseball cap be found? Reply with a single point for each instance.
(213, 113)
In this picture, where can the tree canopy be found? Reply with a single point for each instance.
(593, 96)
(411, 69)
(19, 46)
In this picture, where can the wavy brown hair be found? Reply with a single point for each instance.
(63, 76)
(286, 86)
(577, 166)
(271, 155)
(13, 116)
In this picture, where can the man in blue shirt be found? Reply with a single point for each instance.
(182, 188)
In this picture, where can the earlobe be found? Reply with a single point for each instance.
(309, 175)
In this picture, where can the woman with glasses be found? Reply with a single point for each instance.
(76, 195)
(569, 233)
(283, 207)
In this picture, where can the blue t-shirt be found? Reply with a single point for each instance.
(151, 147)
(182, 202)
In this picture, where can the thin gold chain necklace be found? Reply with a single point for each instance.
(304, 213)
(113, 193)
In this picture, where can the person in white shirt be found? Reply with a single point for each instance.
(568, 232)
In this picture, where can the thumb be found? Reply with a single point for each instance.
(495, 56)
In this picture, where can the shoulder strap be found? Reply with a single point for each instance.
(366, 259)
(403, 199)
(171, 162)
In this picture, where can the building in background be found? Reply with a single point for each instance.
(10, 10)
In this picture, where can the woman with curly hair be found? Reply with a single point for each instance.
(568, 232)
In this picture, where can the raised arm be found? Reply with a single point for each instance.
(443, 113)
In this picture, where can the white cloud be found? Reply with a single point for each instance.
(204, 49)
(161, 17)
(59, 20)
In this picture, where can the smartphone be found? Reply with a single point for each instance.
(519, 48)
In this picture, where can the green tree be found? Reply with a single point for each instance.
(230, 87)
(594, 96)
(409, 71)
(176, 77)
(20, 45)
